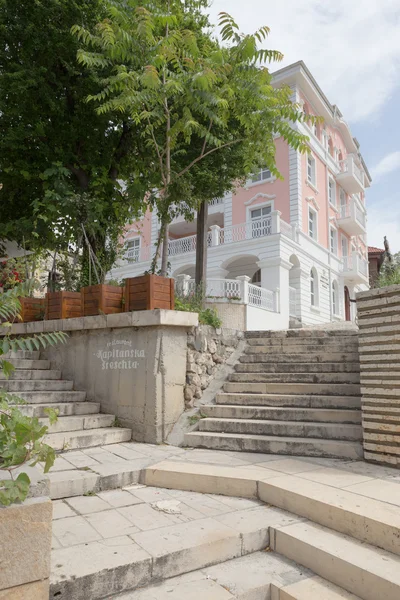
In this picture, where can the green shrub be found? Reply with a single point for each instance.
(20, 436)
(194, 302)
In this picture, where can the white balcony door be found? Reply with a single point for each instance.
(343, 204)
(260, 222)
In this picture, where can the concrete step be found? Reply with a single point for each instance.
(30, 355)
(27, 374)
(326, 431)
(36, 385)
(331, 378)
(312, 415)
(52, 397)
(361, 569)
(24, 363)
(331, 504)
(268, 367)
(303, 333)
(100, 568)
(257, 576)
(78, 423)
(313, 588)
(306, 357)
(343, 349)
(275, 445)
(65, 409)
(339, 389)
(71, 440)
(292, 400)
(317, 341)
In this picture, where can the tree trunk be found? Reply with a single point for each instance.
(201, 246)
(164, 259)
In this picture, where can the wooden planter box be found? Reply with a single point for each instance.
(32, 309)
(101, 299)
(63, 305)
(148, 292)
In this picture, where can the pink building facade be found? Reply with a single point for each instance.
(293, 250)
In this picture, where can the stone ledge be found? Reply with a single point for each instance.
(144, 318)
(378, 292)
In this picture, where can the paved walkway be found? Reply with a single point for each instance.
(373, 481)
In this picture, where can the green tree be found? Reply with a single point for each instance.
(21, 436)
(200, 108)
(60, 162)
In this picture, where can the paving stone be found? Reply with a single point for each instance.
(206, 478)
(144, 517)
(83, 572)
(150, 494)
(313, 588)
(64, 484)
(291, 466)
(182, 590)
(111, 523)
(79, 459)
(118, 498)
(254, 525)
(188, 546)
(62, 510)
(123, 451)
(73, 531)
(85, 505)
(334, 477)
(387, 491)
(60, 464)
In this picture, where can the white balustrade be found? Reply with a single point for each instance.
(261, 297)
(223, 288)
(182, 245)
(292, 302)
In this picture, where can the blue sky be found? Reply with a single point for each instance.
(353, 50)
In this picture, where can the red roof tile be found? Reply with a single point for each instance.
(372, 249)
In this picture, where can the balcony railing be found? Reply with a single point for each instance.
(351, 218)
(219, 236)
(354, 267)
(231, 289)
(350, 176)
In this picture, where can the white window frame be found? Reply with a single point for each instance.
(263, 179)
(312, 170)
(344, 239)
(335, 298)
(332, 187)
(333, 240)
(136, 244)
(343, 203)
(313, 212)
(251, 209)
(314, 288)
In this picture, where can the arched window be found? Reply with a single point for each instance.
(335, 298)
(313, 287)
(256, 279)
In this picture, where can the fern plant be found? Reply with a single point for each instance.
(21, 436)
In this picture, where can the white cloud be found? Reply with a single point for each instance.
(388, 164)
(352, 48)
(384, 219)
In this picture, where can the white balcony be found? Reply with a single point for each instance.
(350, 176)
(352, 218)
(354, 268)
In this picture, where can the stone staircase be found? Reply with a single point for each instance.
(79, 424)
(294, 392)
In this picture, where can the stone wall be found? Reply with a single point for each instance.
(133, 364)
(25, 547)
(206, 349)
(232, 313)
(379, 323)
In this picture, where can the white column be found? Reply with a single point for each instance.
(215, 235)
(245, 280)
(182, 284)
(275, 276)
(275, 221)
